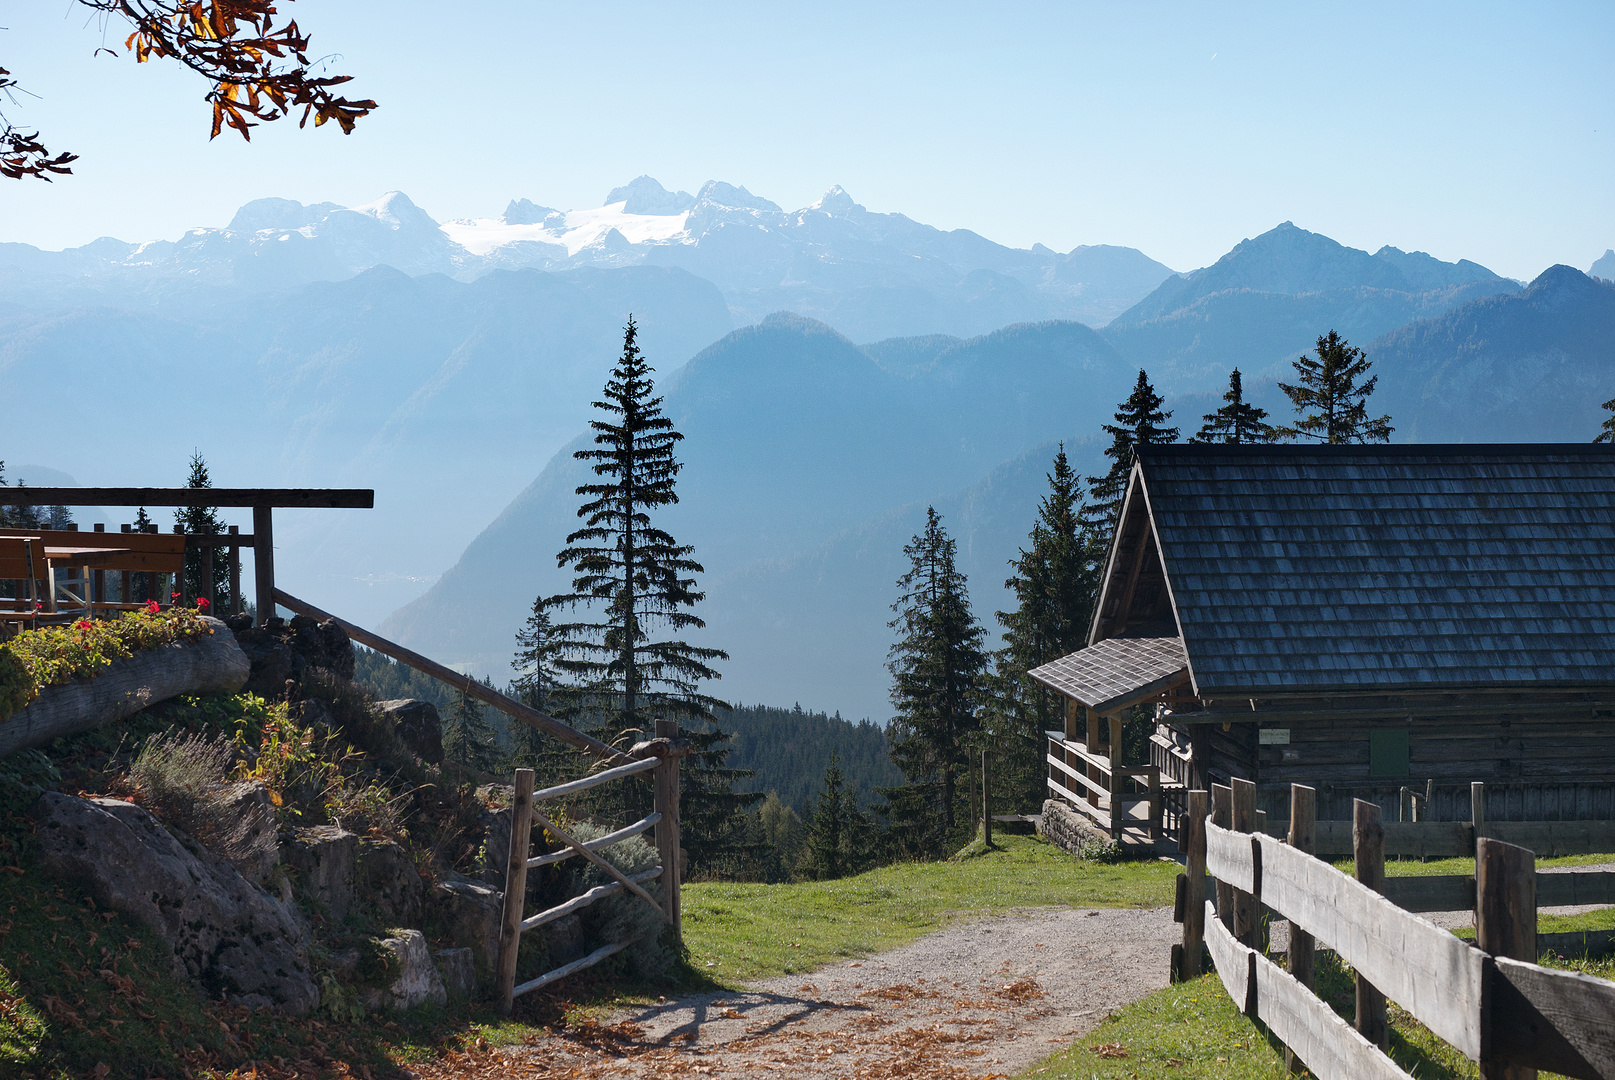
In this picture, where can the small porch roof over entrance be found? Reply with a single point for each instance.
(1117, 672)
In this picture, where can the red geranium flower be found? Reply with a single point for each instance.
(153, 607)
(173, 596)
(202, 604)
(82, 624)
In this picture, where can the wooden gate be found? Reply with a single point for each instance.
(660, 755)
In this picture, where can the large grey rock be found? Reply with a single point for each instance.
(416, 980)
(458, 970)
(417, 725)
(468, 913)
(233, 940)
(565, 939)
(280, 651)
(324, 859)
(252, 847)
(388, 884)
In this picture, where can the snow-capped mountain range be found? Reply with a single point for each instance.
(871, 274)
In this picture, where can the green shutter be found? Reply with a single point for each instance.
(1388, 753)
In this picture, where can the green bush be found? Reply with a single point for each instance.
(625, 916)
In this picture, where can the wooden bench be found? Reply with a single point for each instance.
(127, 553)
(22, 558)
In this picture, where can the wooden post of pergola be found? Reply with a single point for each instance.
(263, 501)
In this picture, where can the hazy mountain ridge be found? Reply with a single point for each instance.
(872, 275)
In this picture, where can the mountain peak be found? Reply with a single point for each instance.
(644, 195)
(286, 214)
(526, 212)
(1604, 267)
(836, 201)
(721, 194)
(395, 210)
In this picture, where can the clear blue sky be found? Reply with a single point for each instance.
(1475, 130)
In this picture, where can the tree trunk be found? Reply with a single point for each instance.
(213, 664)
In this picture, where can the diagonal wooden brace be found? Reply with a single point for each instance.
(576, 844)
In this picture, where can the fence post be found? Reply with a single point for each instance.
(1194, 886)
(1222, 815)
(1303, 837)
(667, 830)
(1505, 919)
(1477, 812)
(510, 927)
(263, 560)
(1115, 779)
(986, 807)
(1157, 810)
(236, 607)
(1368, 850)
(1244, 808)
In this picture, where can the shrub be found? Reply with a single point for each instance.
(625, 917)
(184, 779)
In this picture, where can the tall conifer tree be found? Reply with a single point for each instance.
(1140, 421)
(1054, 581)
(1330, 401)
(202, 519)
(937, 668)
(468, 738)
(1237, 423)
(611, 643)
(837, 830)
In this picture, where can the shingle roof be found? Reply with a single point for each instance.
(1103, 676)
(1387, 566)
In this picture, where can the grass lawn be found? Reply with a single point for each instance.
(737, 932)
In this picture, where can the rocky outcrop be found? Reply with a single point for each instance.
(458, 970)
(413, 974)
(417, 725)
(280, 651)
(234, 941)
(210, 664)
(1067, 828)
(388, 885)
(323, 859)
(468, 913)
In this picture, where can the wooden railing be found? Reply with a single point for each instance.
(1490, 1000)
(1091, 777)
(661, 754)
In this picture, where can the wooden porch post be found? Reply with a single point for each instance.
(263, 560)
(1115, 778)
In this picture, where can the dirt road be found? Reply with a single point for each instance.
(987, 996)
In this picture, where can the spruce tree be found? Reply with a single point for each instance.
(1054, 581)
(937, 665)
(1330, 401)
(616, 662)
(831, 849)
(1140, 421)
(1237, 423)
(202, 520)
(468, 738)
(26, 517)
(1605, 433)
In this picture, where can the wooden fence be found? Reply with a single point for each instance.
(1090, 776)
(1489, 1000)
(661, 754)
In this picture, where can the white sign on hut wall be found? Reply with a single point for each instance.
(1273, 736)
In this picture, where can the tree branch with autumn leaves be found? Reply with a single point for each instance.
(259, 72)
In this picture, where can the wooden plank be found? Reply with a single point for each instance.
(573, 787)
(1423, 968)
(583, 900)
(485, 694)
(1552, 838)
(1320, 1039)
(575, 966)
(1505, 925)
(311, 498)
(1228, 957)
(1455, 892)
(644, 824)
(1194, 921)
(1577, 942)
(1097, 814)
(1368, 856)
(1433, 839)
(1575, 887)
(1229, 857)
(1562, 1021)
(1302, 832)
(1080, 777)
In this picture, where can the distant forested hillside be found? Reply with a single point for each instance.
(787, 751)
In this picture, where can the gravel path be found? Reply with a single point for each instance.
(987, 996)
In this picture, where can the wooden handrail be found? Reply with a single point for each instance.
(472, 688)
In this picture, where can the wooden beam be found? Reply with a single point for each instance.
(1505, 925)
(263, 561)
(306, 498)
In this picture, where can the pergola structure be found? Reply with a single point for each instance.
(1359, 618)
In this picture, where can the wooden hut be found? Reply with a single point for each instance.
(1376, 621)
